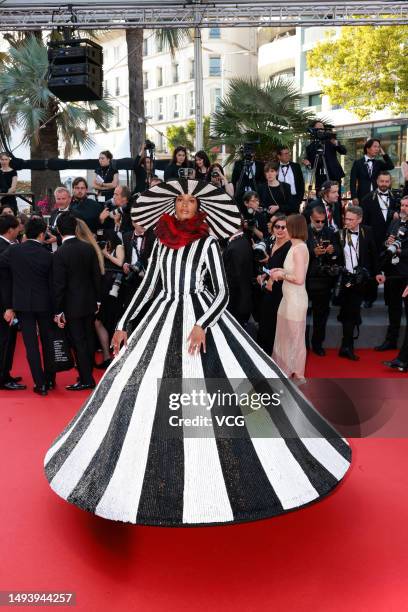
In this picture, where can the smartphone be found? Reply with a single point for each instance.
(325, 243)
(266, 270)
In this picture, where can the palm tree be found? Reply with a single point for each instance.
(26, 101)
(251, 111)
(170, 39)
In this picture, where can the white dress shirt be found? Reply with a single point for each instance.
(285, 175)
(351, 250)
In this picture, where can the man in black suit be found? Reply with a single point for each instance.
(77, 290)
(239, 263)
(360, 253)
(330, 149)
(30, 265)
(83, 207)
(62, 204)
(396, 276)
(9, 229)
(324, 253)
(329, 200)
(291, 173)
(401, 362)
(364, 171)
(138, 245)
(117, 211)
(246, 176)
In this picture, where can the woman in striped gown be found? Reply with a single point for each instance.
(134, 453)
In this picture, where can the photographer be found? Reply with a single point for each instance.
(238, 262)
(111, 308)
(401, 361)
(361, 262)
(179, 160)
(324, 146)
(217, 178)
(329, 201)
(117, 212)
(83, 207)
(255, 218)
(144, 167)
(202, 166)
(325, 259)
(395, 260)
(247, 173)
(364, 171)
(137, 246)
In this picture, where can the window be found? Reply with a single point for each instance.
(159, 77)
(160, 109)
(215, 98)
(215, 33)
(215, 65)
(315, 100)
(191, 102)
(159, 45)
(176, 75)
(117, 116)
(105, 88)
(115, 54)
(191, 70)
(117, 86)
(145, 46)
(176, 106)
(145, 81)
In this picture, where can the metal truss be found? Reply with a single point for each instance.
(103, 14)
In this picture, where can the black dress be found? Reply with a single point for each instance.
(111, 308)
(107, 173)
(270, 301)
(6, 179)
(272, 196)
(172, 171)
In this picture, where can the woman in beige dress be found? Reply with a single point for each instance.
(289, 350)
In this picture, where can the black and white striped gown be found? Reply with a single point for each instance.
(119, 457)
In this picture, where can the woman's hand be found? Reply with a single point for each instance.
(273, 208)
(276, 274)
(196, 338)
(119, 337)
(405, 292)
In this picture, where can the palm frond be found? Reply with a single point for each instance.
(173, 39)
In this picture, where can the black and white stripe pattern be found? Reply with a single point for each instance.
(120, 459)
(223, 216)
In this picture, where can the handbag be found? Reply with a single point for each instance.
(58, 357)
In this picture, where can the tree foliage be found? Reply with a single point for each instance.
(184, 135)
(365, 69)
(251, 111)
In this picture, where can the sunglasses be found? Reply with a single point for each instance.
(282, 227)
(320, 222)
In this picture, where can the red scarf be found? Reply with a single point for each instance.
(175, 234)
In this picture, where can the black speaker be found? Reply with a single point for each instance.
(75, 70)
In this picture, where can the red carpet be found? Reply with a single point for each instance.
(347, 553)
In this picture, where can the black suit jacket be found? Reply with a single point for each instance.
(334, 168)
(299, 182)
(5, 280)
(236, 173)
(76, 279)
(238, 262)
(360, 180)
(373, 216)
(327, 233)
(147, 246)
(337, 214)
(30, 267)
(367, 250)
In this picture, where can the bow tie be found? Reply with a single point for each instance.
(383, 193)
(369, 161)
(353, 233)
(285, 165)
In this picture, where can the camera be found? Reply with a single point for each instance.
(347, 279)
(114, 292)
(103, 244)
(215, 174)
(247, 150)
(186, 173)
(391, 250)
(149, 145)
(135, 269)
(321, 134)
